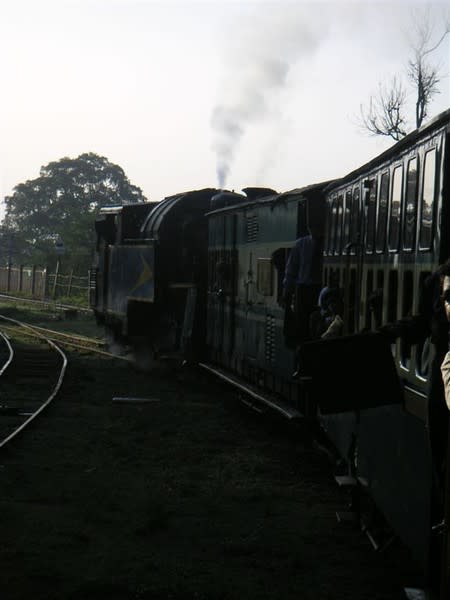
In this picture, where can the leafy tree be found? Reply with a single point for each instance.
(62, 204)
(386, 111)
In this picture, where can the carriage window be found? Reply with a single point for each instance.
(340, 209)
(213, 261)
(354, 227)
(351, 305)
(376, 301)
(279, 260)
(329, 228)
(369, 290)
(426, 223)
(302, 219)
(396, 202)
(423, 351)
(264, 281)
(410, 206)
(407, 303)
(392, 296)
(333, 224)
(347, 219)
(371, 215)
(382, 213)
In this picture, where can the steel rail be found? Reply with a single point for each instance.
(68, 335)
(55, 390)
(94, 350)
(11, 353)
(67, 342)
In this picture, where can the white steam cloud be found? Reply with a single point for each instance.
(262, 50)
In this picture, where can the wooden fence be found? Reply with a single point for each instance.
(40, 284)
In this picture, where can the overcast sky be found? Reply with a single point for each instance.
(185, 95)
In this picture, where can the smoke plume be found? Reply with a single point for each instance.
(260, 55)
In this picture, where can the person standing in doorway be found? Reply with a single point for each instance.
(303, 280)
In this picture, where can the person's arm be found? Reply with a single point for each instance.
(445, 371)
(446, 296)
(445, 366)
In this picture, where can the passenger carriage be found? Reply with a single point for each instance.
(388, 228)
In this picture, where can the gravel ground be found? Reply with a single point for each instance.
(188, 496)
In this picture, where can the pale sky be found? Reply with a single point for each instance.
(268, 93)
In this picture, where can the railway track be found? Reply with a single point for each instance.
(32, 373)
(69, 339)
(31, 364)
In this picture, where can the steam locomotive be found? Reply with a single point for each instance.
(199, 276)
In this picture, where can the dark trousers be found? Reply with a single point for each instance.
(296, 326)
(306, 297)
(438, 416)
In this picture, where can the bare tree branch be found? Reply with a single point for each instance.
(384, 116)
(426, 79)
(421, 72)
(385, 113)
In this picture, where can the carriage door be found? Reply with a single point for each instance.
(229, 287)
(352, 250)
(222, 286)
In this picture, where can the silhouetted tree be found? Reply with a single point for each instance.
(62, 203)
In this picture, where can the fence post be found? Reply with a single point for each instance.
(8, 280)
(89, 288)
(69, 284)
(55, 283)
(20, 283)
(44, 284)
(33, 280)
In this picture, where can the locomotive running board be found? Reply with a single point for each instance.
(269, 400)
